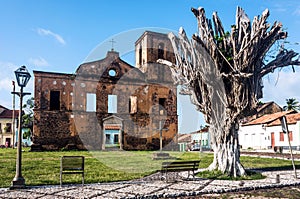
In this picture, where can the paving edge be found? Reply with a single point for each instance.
(219, 191)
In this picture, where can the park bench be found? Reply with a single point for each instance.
(72, 165)
(177, 166)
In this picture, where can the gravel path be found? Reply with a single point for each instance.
(153, 187)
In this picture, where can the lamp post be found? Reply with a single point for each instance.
(13, 115)
(22, 76)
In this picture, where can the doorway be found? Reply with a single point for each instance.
(7, 142)
(272, 140)
(112, 132)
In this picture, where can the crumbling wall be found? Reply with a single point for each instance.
(73, 126)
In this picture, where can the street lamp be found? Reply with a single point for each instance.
(22, 76)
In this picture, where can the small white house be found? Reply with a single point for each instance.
(8, 126)
(194, 141)
(266, 132)
(201, 138)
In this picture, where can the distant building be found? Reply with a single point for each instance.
(201, 138)
(108, 102)
(262, 109)
(184, 141)
(6, 126)
(266, 132)
(193, 141)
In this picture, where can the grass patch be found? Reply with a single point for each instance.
(42, 168)
(218, 175)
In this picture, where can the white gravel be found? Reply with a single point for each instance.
(150, 187)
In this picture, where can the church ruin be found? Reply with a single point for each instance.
(109, 103)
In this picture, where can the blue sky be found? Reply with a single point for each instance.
(52, 35)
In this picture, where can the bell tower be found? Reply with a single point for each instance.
(150, 47)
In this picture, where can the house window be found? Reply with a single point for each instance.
(54, 100)
(112, 103)
(162, 104)
(132, 104)
(91, 102)
(281, 136)
(291, 135)
(8, 127)
(0, 128)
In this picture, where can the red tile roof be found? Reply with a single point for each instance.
(274, 119)
(291, 119)
(187, 138)
(112, 127)
(6, 113)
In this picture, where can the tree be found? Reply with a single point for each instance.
(28, 117)
(222, 72)
(292, 104)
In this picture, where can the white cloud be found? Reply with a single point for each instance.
(6, 84)
(278, 7)
(287, 86)
(39, 62)
(57, 37)
(297, 11)
(7, 75)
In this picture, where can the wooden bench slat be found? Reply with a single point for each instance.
(72, 165)
(180, 166)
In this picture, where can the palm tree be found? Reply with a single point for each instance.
(292, 104)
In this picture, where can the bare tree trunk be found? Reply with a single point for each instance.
(227, 153)
(222, 73)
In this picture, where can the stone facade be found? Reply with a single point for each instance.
(75, 110)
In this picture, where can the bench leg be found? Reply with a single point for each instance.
(60, 179)
(163, 176)
(82, 179)
(193, 175)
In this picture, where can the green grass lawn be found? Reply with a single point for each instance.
(42, 168)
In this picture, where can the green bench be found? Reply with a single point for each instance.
(72, 165)
(178, 166)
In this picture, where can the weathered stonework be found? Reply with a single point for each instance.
(144, 96)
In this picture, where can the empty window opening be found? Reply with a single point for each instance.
(112, 72)
(132, 104)
(54, 100)
(107, 140)
(91, 102)
(112, 103)
(140, 56)
(116, 138)
(162, 105)
(161, 51)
